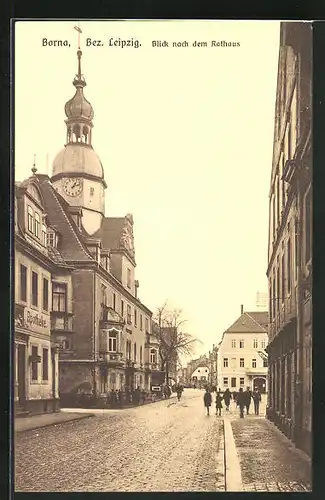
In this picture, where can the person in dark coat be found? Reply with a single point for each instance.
(241, 401)
(257, 399)
(234, 396)
(227, 397)
(207, 398)
(218, 403)
(248, 396)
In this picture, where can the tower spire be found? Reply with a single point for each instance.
(79, 80)
(34, 169)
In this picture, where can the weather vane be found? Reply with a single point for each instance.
(77, 28)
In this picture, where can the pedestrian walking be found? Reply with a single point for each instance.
(179, 390)
(218, 403)
(227, 397)
(257, 399)
(207, 398)
(248, 396)
(234, 397)
(241, 401)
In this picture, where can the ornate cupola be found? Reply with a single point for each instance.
(79, 111)
(77, 172)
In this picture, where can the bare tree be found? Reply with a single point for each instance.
(172, 341)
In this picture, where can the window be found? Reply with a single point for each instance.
(283, 288)
(233, 381)
(289, 264)
(225, 362)
(66, 344)
(45, 294)
(225, 381)
(262, 344)
(233, 343)
(141, 354)
(114, 301)
(23, 283)
(135, 351)
(308, 234)
(122, 308)
(37, 225)
(241, 344)
(241, 362)
(44, 235)
(92, 190)
(141, 322)
(45, 364)
(265, 363)
(34, 364)
(135, 317)
(104, 295)
(153, 356)
(147, 325)
(129, 319)
(242, 381)
(112, 341)
(128, 278)
(255, 344)
(198, 371)
(254, 363)
(34, 288)
(50, 239)
(30, 215)
(128, 349)
(59, 297)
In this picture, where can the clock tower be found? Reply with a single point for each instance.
(77, 172)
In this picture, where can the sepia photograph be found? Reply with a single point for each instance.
(162, 223)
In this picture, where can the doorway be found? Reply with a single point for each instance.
(260, 384)
(21, 374)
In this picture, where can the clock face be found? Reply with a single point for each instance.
(73, 186)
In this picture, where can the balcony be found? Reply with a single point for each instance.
(109, 318)
(111, 358)
(61, 322)
(151, 366)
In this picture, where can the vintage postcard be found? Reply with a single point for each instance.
(163, 265)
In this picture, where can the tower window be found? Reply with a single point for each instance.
(30, 219)
(92, 191)
(37, 225)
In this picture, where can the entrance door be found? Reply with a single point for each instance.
(21, 373)
(53, 373)
(260, 384)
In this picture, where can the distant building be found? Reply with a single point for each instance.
(290, 240)
(200, 376)
(239, 361)
(262, 301)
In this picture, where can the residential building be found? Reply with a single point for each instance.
(213, 358)
(200, 376)
(290, 240)
(40, 272)
(240, 364)
(110, 345)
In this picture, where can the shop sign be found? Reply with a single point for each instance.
(35, 320)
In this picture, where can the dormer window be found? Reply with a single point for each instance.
(37, 225)
(51, 239)
(44, 235)
(30, 219)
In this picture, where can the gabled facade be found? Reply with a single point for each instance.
(240, 363)
(290, 239)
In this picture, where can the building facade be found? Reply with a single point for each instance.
(200, 376)
(38, 270)
(240, 363)
(105, 342)
(290, 240)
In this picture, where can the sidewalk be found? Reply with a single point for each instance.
(265, 459)
(37, 421)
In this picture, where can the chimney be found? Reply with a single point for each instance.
(242, 309)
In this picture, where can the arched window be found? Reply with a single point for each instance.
(76, 131)
(85, 135)
(153, 356)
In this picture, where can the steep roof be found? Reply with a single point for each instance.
(262, 317)
(248, 323)
(71, 246)
(110, 232)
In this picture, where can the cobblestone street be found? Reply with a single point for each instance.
(164, 446)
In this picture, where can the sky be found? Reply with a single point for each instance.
(185, 135)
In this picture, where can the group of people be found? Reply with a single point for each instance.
(242, 399)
